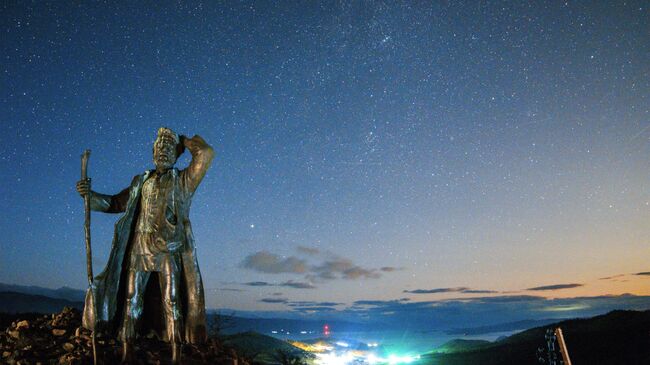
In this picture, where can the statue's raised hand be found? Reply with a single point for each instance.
(83, 187)
(193, 143)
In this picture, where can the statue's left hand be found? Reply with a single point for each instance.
(193, 143)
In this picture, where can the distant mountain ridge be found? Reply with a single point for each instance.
(35, 299)
(12, 302)
(235, 324)
(64, 292)
(503, 327)
(618, 337)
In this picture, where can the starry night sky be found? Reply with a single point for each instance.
(365, 150)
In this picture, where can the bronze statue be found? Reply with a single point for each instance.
(153, 235)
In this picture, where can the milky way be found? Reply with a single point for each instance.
(365, 151)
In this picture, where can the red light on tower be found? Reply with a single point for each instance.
(326, 330)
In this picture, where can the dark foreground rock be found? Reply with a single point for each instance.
(59, 339)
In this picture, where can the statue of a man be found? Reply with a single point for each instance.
(153, 236)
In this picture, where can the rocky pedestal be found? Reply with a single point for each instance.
(59, 339)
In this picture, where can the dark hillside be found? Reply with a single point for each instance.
(13, 302)
(619, 337)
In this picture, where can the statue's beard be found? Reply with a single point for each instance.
(163, 161)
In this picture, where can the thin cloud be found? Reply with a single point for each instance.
(437, 290)
(313, 309)
(226, 289)
(555, 287)
(288, 284)
(343, 268)
(312, 251)
(460, 289)
(613, 277)
(309, 303)
(359, 272)
(297, 285)
(333, 268)
(258, 283)
(378, 303)
(498, 299)
(478, 291)
(390, 269)
(267, 262)
(643, 273)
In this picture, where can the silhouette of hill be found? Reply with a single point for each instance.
(460, 345)
(502, 327)
(64, 292)
(12, 302)
(618, 337)
(261, 348)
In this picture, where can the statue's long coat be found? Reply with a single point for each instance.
(108, 287)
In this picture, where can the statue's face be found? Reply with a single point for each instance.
(164, 152)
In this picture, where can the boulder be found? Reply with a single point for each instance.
(22, 325)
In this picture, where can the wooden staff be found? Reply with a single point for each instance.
(563, 349)
(89, 255)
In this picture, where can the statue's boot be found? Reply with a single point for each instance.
(176, 353)
(127, 353)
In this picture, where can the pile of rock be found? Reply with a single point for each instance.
(60, 339)
(54, 338)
